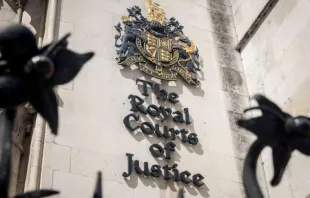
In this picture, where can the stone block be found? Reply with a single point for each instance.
(219, 7)
(202, 18)
(224, 30)
(227, 57)
(71, 11)
(214, 188)
(284, 189)
(215, 166)
(49, 137)
(88, 163)
(298, 103)
(102, 138)
(150, 192)
(255, 83)
(223, 2)
(233, 81)
(298, 177)
(242, 141)
(71, 185)
(221, 18)
(233, 118)
(140, 3)
(195, 34)
(81, 186)
(210, 77)
(235, 102)
(46, 178)
(217, 130)
(56, 157)
(8, 16)
(223, 40)
(90, 89)
(113, 189)
(97, 38)
(63, 28)
(251, 9)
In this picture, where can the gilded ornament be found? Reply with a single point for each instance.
(157, 45)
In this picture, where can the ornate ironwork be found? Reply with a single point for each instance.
(157, 45)
(28, 74)
(278, 130)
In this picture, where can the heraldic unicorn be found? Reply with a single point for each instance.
(157, 45)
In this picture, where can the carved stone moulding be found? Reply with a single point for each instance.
(23, 127)
(20, 3)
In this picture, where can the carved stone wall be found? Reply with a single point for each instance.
(22, 132)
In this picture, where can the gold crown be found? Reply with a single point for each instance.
(155, 12)
(126, 18)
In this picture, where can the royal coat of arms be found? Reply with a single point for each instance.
(157, 45)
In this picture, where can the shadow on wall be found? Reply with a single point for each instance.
(153, 139)
(134, 74)
(148, 101)
(139, 136)
(132, 181)
(161, 184)
(10, 3)
(35, 9)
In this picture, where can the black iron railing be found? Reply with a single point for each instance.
(278, 130)
(29, 74)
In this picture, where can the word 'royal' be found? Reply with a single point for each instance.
(161, 112)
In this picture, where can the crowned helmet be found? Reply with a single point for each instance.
(155, 12)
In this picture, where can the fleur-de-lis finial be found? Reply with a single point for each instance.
(278, 130)
(98, 189)
(29, 74)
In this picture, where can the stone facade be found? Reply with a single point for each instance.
(92, 135)
(276, 63)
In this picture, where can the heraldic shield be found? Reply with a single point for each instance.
(157, 45)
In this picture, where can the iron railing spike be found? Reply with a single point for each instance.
(37, 194)
(98, 189)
